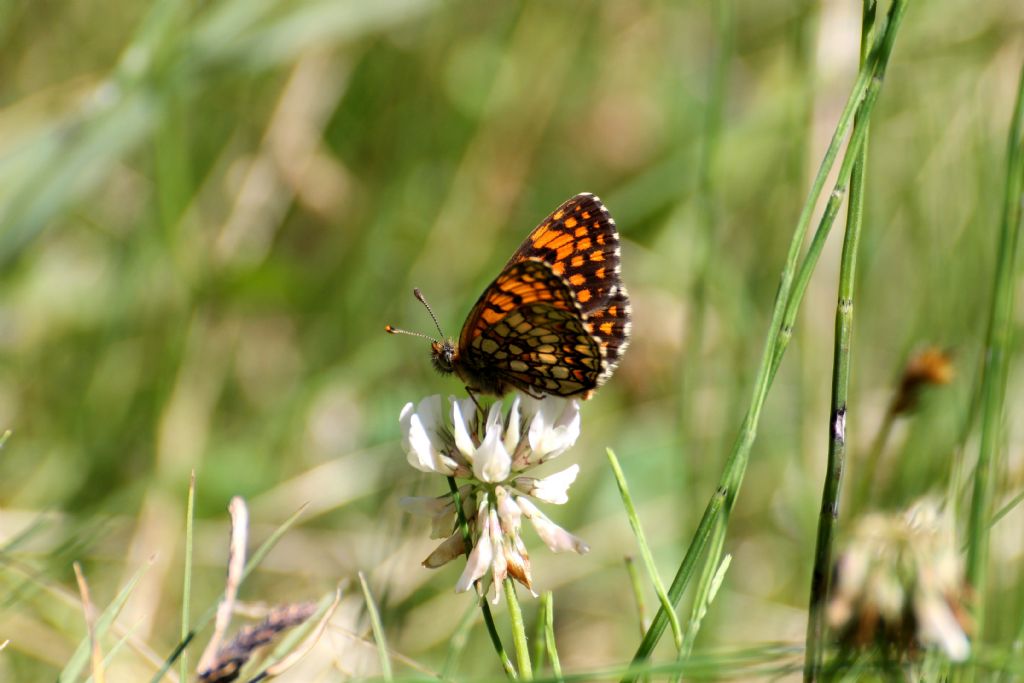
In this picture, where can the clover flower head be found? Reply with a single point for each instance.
(899, 584)
(492, 454)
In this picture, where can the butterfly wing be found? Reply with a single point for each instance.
(528, 331)
(580, 242)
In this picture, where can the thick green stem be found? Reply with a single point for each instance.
(791, 289)
(993, 381)
(829, 513)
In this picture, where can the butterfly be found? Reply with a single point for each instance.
(555, 321)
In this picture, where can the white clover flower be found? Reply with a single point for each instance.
(900, 583)
(490, 456)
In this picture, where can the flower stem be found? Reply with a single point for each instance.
(485, 609)
(829, 513)
(790, 293)
(515, 615)
(998, 346)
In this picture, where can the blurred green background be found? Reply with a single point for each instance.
(209, 211)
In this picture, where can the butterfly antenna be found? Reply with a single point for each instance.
(391, 329)
(419, 297)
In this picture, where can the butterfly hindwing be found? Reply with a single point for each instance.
(556, 320)
(527, 331)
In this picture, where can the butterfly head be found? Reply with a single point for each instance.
(442, 351)
(443, 356)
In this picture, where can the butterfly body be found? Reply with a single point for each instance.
(556, 320)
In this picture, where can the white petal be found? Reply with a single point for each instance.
(420, 453)
(551, 489)
(480, 558)
(491, 462)
(461, 430)
(508, 512)
(555, 537)
(405, 421)
(499, 564)
(421, 437)
(554, 428)
(494, 416)
(477, 565)
(429, 410)
(512, 428)
(939, 627)
(452, 547)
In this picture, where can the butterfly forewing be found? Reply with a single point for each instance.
(528, 331)
(580, 242)
(556, 320)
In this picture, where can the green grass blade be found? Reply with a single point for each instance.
(378, 630)
(792, 285)
(186, 590)
(998, 345)
(548, 604)
(836, 457)
(207, 616)
(645, 551)
(80, 659)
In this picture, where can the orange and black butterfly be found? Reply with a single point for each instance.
(556, 320)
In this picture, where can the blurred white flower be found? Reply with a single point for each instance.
(490, 456)
(899, 584)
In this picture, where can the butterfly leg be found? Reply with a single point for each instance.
(472, 395)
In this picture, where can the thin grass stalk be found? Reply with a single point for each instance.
(485, 609)
(638, 594)
(702, 595)
(863, 97)
(237, 545)
(539, 642)
(186, 588)
(254, 560)
(829, 513)
(548, 604)
(679, 583)
(645, 550)
(96, 655)
(457, 643)
(515, 617)
(835, 200)
(378, 630)
(996, 366)
(78, 660)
